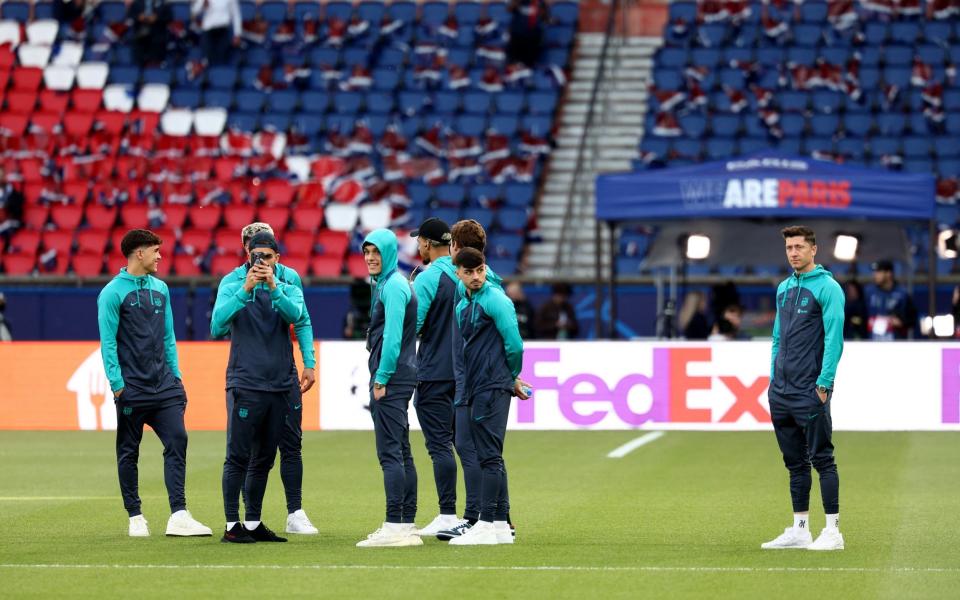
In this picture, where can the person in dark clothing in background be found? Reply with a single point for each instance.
(139, 353)
(392, 342)
(855, 312)
(257, 309)
(11, 206)
(525, 312)
(151, 19)
(526, 31)
(357, 319)
(807, 345)
(893, 315)
(557, 319)
(5, 334)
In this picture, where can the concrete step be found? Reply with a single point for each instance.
(597, 139)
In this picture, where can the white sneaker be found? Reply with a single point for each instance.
(393, 535)
(138, 527)
(504, 533)
(790, 538)
(829, 539)
(483, 533)
(441, 523)
(297, 522)
(182, 524)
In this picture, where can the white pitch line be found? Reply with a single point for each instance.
(599, 569)
(632, 445)
(53, 498)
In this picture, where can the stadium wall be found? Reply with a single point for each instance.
(578, 385)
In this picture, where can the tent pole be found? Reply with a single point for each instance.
(932, 273)
(612, 283)
(597, 279)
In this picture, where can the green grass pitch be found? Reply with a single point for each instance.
(681, 517)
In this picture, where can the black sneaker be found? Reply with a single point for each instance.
(448, 534)
(263, 534)
(237, 535)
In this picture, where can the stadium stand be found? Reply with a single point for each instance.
(863, 83)
(328, 120)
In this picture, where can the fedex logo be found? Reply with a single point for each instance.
(585, 398)
(950, 386)
(795, 193)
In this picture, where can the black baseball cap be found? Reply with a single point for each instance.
(263, 240)
(433, 229)
(882, 265)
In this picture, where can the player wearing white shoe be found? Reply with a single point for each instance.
(807, 344)
(492, 353)
(139, 353)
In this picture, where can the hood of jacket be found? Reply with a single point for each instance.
(386, 242)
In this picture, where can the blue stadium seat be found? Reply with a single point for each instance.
(869, 78)
(250, 101)
(179, 11)
(793, 101)
(434, 13)
(185, 98)
(656, 145)
(371, 11)
(509, 102)
(725, 125)
(851, 146)
(542, 103)
(947, 146)
(792, 124)
(807, 34)
(477, 102)
(379, 102)
(703, 57)
(480, 215)
(770, 56)
(948, 167)
(898, 76)
(44, 10)
(420, 193)
(347, 102)
(688, 148)
(409, 102)
(954, 51)
(824, 125)
(802, 55)
(916, 146)
(880, 146)
(447, 215)
(472, 125)
(451, 194)
(468, 13)
(931, 54)
(446, 102)
(564, 12)
(353, 57)
(732, 53)
(403, 11)
(107, 12)
(248, 10)
(519, 195)
(325, 56)
(124, 75)
(512, 219)
(918, 124)
(222, 77)
(693, 125)
(734, 78)
(537, 125)
(835, 55)
(273, 11)
(315, 101)
(668, 79)
(504, 124)
(713, 35)
(817, 144)
(411, 126)
(827, 101)
(750, 145)
(870, 56)
(309, 124)
(503, 266)
(875, 33)
(248, 77)
(672, 58)
(157, 75)
(243, 121)
(813, 11)
(938, 32)
(918, 165)
(340, 10)
(900, 56)
(559, 36)
(505, 245)
(891, 123)
(719, 148)
(282, 101)
(858, 123)
(305, 9)
(904, 32)
(213, 98)
(747, 36)
(790, 145)
(391, 57)
(386, 79)
(683, 10)
(275, 122)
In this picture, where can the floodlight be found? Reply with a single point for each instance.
(845, 248)
(698, 246)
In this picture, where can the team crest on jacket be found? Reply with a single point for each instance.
(157, 302)
(804, 301)
(243, 413)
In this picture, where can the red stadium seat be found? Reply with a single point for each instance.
(87, 264)
(332, 243)
(100, 216)
(46, 121)
(206, 217)
(26, 241)
(67, 216)
(77, 191)
(224, 169)
(185, 265)
(307, 218)
(27, 79)
(111, 121)
(18, 263)
(7, 60)
(237, 216)
(224, 263)
(297, 242)
(135, 215)
(115, 262)
(311, 194)
(298, 262)
(35, 215)
(356, 267)
(31, 169)
(59, 240)
(165, 266)
(277, 217)
(227, 241)
(326, 266)
(278, 192)
(54, 101)
(175, 215)
(22, 102)
(78, 124)
(195, 241)
(13, 125)
(86, 101)
(93, 241)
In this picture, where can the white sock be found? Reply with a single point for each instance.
(801, 522)
(251, 525)
(230, 525)
(833, 521)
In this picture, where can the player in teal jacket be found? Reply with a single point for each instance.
(139, 353)
(807, 344)
(291, 441)
(391, 341)
(492, 357)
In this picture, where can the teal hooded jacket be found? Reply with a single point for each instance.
(261, 354)
(137, 342)
(304, 327)
(492, 348)
(436, 291)
(392, 337)
(807, 333)
(458, 367)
